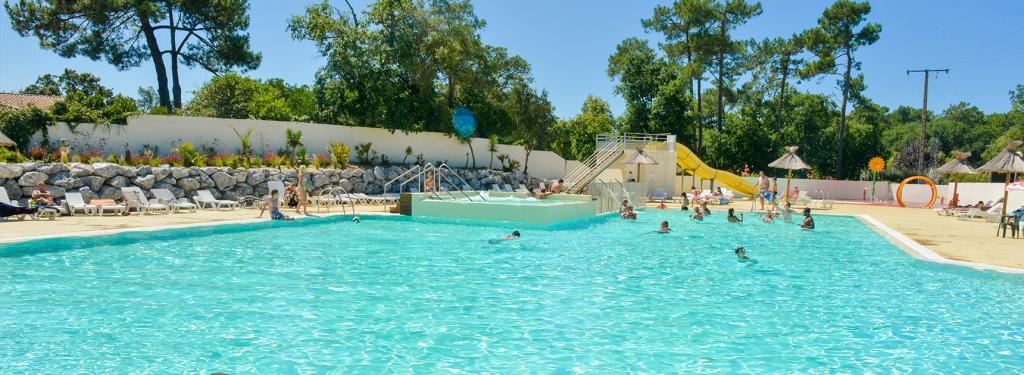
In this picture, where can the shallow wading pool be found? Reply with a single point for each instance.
(399, 294)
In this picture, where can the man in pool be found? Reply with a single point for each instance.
(275, 211)
(513, 236)
(664, 227)
(733, 218)
(741, 253)
(808, 220)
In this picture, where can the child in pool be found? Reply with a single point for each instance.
(697, 215)
(741, 253)
(664, 228)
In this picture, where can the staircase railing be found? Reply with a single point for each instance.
(603, 157)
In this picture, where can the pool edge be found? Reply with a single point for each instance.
(920, 252)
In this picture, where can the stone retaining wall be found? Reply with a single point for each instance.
(105, 180)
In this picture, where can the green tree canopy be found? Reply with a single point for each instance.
(205, 33)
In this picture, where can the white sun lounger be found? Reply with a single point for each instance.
(522, 189)
(76, 203)
(135, 199)
(204, 198)
(7, 200)
(495, 187)
(165, 196)
(507, 188)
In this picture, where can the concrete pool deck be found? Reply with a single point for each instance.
(955, 240)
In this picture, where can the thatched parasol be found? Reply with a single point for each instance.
(1007, 161)
(6, 142)
(789, 161)
(956, 167)
(638, 158)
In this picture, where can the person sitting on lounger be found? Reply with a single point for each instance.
(733, 218)
(808, 220)
(41, 196)
(291, 200)
(272, 205)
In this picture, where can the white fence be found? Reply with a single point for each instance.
(166, 132)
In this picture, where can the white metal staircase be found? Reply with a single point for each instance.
(604, 156)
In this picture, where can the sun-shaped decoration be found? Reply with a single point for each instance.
(876, 164)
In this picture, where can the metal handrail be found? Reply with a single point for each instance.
(443, 167)
(400, 176)
(351, 200)
(600, 157)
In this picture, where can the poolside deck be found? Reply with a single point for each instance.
(969, 241)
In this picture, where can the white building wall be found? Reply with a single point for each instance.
(166, 132)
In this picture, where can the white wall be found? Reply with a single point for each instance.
(166, 132)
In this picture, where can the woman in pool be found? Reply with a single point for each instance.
(275, 211)
(733, 218)
(686, 202)
(808, 220)
(704, 207)
(741, 253)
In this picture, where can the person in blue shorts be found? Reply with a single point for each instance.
(275, 211)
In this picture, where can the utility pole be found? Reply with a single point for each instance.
(924, 113)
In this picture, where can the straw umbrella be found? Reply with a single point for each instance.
(639, 158)
(1007, 161)
(789, 161)
(956, 167)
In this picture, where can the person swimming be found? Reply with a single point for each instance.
(664, 228)
(513, 236)
(787, 213)
(733, 218)
(355, 219)
(741, 253)
(808, 220)
(769, 217)
(704, 207)
(661, 206)
(697, 215)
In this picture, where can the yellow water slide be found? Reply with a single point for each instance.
(689, 161)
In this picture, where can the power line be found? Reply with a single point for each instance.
(924, 111)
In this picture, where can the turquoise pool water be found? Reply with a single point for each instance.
(412, 295)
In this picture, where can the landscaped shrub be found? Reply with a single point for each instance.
(321, 161)
(365, 153)
(10, 156)
(172, 159)
(190, 157)
(37, 153)
(339, 154)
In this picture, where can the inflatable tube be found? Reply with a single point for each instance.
(931, 184)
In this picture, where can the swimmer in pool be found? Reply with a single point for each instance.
(733, 218)
(664, 228)
(808, 220)
(513, 236)
(697, 215)
(741, 253)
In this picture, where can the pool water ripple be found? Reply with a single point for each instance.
(414, 295)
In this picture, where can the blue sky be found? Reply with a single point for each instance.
(568, 42)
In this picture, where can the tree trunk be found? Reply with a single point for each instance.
(175, 83)
(842, 113)
(784, 64)
(700, 121)
(469, 141)
(451, 94)
(721, 72)
(158, 61)
(526, 162)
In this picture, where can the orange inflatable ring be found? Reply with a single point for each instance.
(931, 184)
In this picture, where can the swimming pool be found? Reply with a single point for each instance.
(403, 294)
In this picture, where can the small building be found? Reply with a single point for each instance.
(11, 101)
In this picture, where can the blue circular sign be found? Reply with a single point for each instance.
(464, 122)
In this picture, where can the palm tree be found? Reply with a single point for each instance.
(408, 152)
(246, 147)
(492, 147)
(293, 139)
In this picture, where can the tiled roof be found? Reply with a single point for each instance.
(19, 101)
